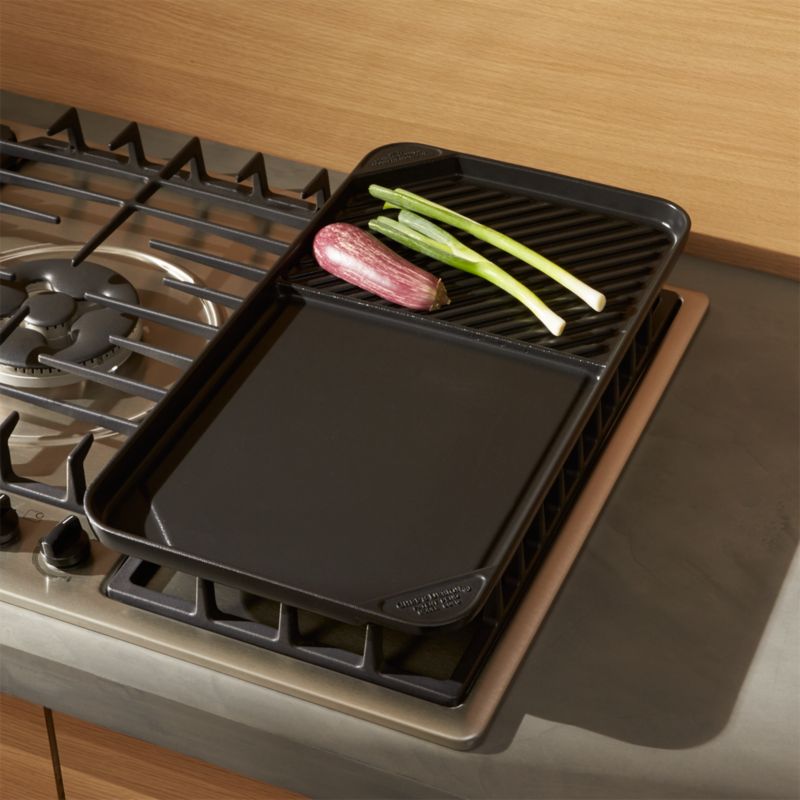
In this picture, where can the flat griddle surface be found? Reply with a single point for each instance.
(361, 454)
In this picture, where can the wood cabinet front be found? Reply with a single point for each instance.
(26, 769)
(97, 764)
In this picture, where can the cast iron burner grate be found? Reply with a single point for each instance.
(439, 667)
(186, 176)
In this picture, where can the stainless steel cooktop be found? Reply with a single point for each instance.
(43, 438)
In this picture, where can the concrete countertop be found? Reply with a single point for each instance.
(668, 666)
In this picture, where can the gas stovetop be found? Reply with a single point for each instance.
(117, 268)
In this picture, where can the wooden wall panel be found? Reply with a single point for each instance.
(697, 102)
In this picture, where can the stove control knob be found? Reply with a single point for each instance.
(9, 522)
(66, 545)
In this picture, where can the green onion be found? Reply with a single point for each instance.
(429, 239)
(438, 235)
(401, 198)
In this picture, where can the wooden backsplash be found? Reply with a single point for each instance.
(694, 101)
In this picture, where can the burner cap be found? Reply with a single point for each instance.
(61, 322)
(49, 309)
(58, 275)
(20, 351)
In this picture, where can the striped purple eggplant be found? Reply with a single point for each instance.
(359, 258)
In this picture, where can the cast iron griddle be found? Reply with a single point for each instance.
(371, 463)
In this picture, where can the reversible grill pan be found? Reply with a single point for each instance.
(378, 465)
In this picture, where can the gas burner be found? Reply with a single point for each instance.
(77, 330)
(60, 321)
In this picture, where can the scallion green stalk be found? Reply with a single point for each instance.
(429, 239)
(402, 198)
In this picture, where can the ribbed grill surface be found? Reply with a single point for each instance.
(614, 255)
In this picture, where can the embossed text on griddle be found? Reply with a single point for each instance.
(386, 159)
(429, 602)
